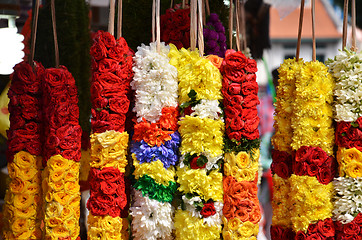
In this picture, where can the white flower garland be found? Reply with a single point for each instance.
(151, 219)
(155, 82)
(207, 109)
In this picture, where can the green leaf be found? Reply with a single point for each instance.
(354, 124)
(185, 105)
(201, 161)
(192, 94)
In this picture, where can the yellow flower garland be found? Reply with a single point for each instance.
(107, 228)
(350, 162)
(236, 229)
(242, 166)
(281, 202)
(62, 198)
(23, 198)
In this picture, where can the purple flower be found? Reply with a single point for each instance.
(213, 18)
(213, 35)
(211, 44)
(206, 33)
(222, 38)
(219, 27)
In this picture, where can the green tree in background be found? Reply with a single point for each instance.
(74, 43)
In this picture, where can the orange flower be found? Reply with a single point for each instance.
(215, 60)
(151, 133)
(169, 118)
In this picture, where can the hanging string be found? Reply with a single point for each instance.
(237, 8)
(56, 49)
(158, 32)
(119, 19)
(200, 28)
(111, 17)
(193, 24)
(203, 12)
(34, 28)
(171, 5)
(184, 4)
(353, 10)
(153, 20)
(345, 23)
(231, 24)
(300, 27)
(313, 31)
(207, 7)
(243, 24)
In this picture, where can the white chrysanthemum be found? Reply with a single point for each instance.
(347, 199)
(155, 82)
(346, 68)
(211, 220)
(211, 161)
(207, 109)
(151, 219)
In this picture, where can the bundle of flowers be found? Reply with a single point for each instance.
(112, 74)
(175, 26)
(22, 208)
(200, 208)
(241, 205)
(346, 70)
(62, 154)
(282, 153)
(313, 140)
(155, 143)
(214, 35)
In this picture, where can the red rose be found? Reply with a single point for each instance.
(236, 99)
(314, 236)
(119, 105)
(108, 187)
(234, 88)
(181, 19)
(289, 234)
(231, 112)
(52, 141)
(351, 228)
(194, 165)
(300, 168)
(251, 101)
(116, 53)
(109, 174)
(98, 51)
(117, 121)
(97, 208)
(114, 211)
(235, 124)
(72, 154)
(312, 169)
(99, 102)
(300, 236)
(16, 122)
(282, 169)
(27, 100)
(326, 227)
(30, 113)
(250, 88)
(105, 37)
(208, 210)
(248, 113)
(233, 135)
(312, 228)
(251, 125)
(251, 66)
(341, 129)
(34, 147)
(235, 60)
(358, 219)
(24, 80)
(233, 75)
(303, 153)
(107, 65)
(276, 232)
(324, 176)
(251, 135)
(359, 122)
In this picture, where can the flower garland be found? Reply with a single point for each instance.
(313, 140)
(214, 35)
(175, 26)
(23, 204)
(112, 73)
(200, 208)
(346, 70)
(155, 143)
(62, 155)
(241, 205)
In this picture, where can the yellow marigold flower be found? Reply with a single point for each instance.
(155, 170)
(193, 228)
(354, 169)
(281, 202)
(197, 181)
(201, 135)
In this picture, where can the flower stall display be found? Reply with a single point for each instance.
(346, 70)
(23, 199)
(112, 73)
(155, 142)
(175, 26)
(241, 145)
(62, 154)
(201, 127)
(214, 35)
(282, 153)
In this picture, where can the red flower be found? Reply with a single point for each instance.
(235, 59)
(208, 210)
(194, 165)
(351, 228)
(326, 227)
(251, 66)
(250, 88)
(234, 88)
(300, 236)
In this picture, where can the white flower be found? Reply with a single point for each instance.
(348, 198)
(151, 220)
(211, 161)
(155, 82)
(207, 109)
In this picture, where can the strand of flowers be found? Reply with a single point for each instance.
(282, 153)
(175, 26)
(214, 35)
(155, 143)
(62, 154)
(23, 204)
(241, 145)
(314, 166)
(112, 74)
(346, 70)
(201, 195)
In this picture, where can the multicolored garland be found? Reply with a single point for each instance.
(23, 198)
(61, 155)
(346, 70)
(175, 26)
(112, 73)
(201, 127)
(155, 143)
(214, 35)
(241, 205)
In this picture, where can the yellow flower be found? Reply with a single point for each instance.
(25, 160)
(29, 212)
(53, 209)
(227, 169)
(57, 186)
(62, 197)
(58, 163)
(155, 170)
(23, 200)
(281, 202)
(54, 222)
(60, 231)
(248, 230)
(28, 174)
(242, 160)
(19, 225)
(234, 224)
(352, 154)
(227, 235)
(66, 213)
(56, 176)
(13, 170)
(17, 185)
(33, 188)
(354, 169)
